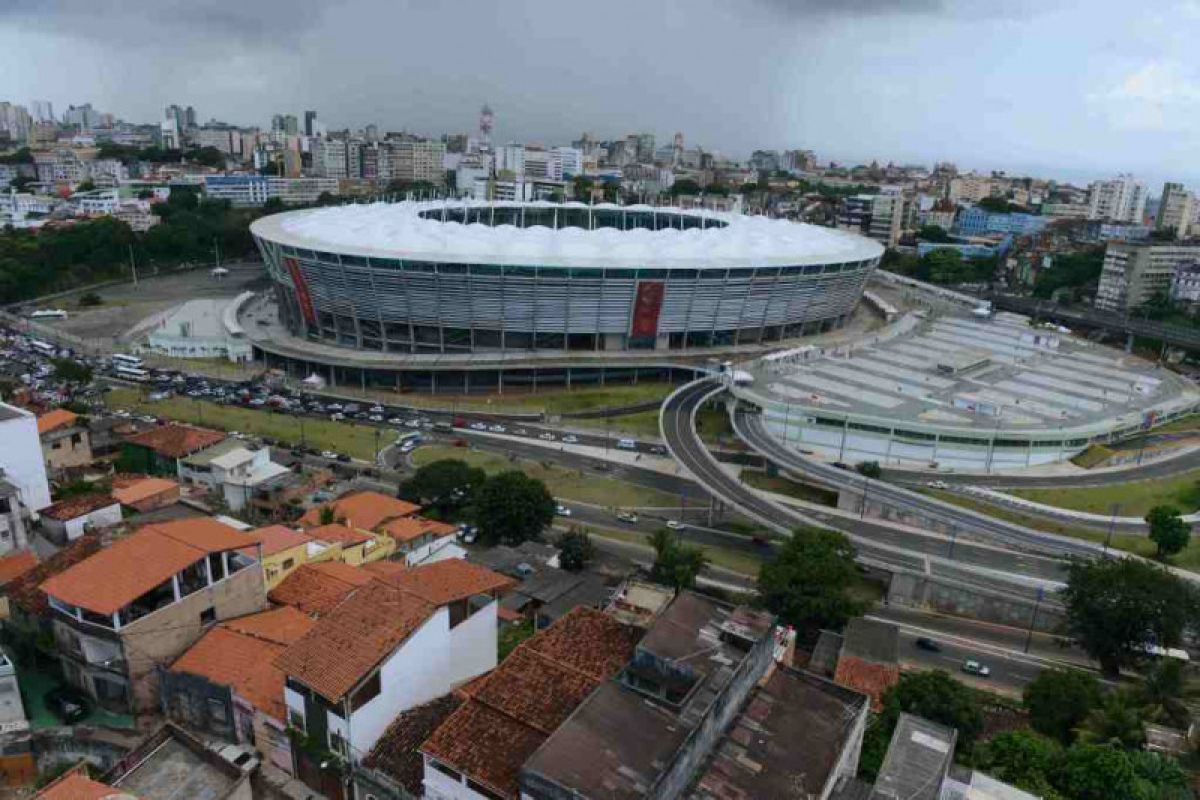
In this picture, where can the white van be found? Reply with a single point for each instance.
(626, 444)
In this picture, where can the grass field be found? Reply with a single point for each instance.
(1135, 497)
(565, 483)
(738, 561)
(788, 488)
(344, 437)
(1188, 559)
(555, 401)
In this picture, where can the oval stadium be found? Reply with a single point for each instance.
(462, 277)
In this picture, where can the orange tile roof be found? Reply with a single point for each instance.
(277, 538)
(241, 654)
(76, 785)
(78, 506)
(405, 529)
(176, 441)
(867, 677)
(366, 510)
(14, 565)
(118, 575)
(318, 588)
(453, 579)
(348, 642)
(25, 591)
(386, 569)
(52, 420)
(339, 533)
(135, 490)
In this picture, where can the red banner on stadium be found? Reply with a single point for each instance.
(302, 295)
(646, 308)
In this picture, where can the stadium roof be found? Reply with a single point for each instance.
(398, 230)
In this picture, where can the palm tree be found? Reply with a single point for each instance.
(1119, 721)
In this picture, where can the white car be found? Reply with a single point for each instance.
(497, 429)
(413, 423)
(520, 432)
(334, 407)
(376, 409)
(477, 426)
(337, 416)
(547, 437)
(973, 667)
(395, 421)
(570, 438)
(562, 511)
(376, 418)
(675, 524)
(938, 485)
(328, 454)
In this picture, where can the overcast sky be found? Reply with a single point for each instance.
(1073, 88)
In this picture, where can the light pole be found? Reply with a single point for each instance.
(1033, 618)
(953, 537)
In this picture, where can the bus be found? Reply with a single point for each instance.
(132, 374)
(45, 348)
(48, 313)
(121, 360)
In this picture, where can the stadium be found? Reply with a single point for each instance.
(459, 277)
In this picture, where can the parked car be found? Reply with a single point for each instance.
(973, 667)
(345, 459)
(675, 524)
(475, 426)
(627, 516)
(928, 644)
(547, 437)
(570, 438)
(67, 704)
(562, 510)
(328, 454)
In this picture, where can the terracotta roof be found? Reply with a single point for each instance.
(339, 533)
(25, 591)
(386, 569)
(52, 420)
(405, 529)
(318, 588)
(234, 654)
(453, 579)
(175, 440)
(78, 506)
(14, 565)
(76, 785)
(867, 677)
(135, 490)
(349, 641)
(277, 538)
(366, 510)
(396, 754)
(118, 575)
(512, 711)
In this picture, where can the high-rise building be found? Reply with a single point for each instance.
(310, 123)
(15, 122)
(1174, 210)
(42, 111)
(329, 158)
(1134, 273)
(487, 120)
(1121, 199)
(176, 115)
(189, 117)
(878, 216)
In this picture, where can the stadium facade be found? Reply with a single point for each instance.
(461, 277)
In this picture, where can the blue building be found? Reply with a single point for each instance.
(976, 221)
(968, 251)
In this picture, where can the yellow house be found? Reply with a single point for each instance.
(358, 546)
(356, 521)
(284, 550)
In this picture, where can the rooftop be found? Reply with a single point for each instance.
(318, 588)
(240, 654)
(405, 529)
(397, 753)
(171, 765)
(513, 709)
(134, 490)
(116, 576)
(58, 418)
(917, 760)
(78, 506)
(25, 591)
(336, 532)
(786, 742)
(175, 440)
(76, 785)
(14, 565)
(412, 230)
(212, 454)
(353, 638)
(366, 510)
(278, 538)
(8, 412)
(446, 581)
(871, 640)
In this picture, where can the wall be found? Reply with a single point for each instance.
(54, 747)
(21, 458)
(63, 531)
(192, 701)
(274, 570)
(63, 451)
(948, 597)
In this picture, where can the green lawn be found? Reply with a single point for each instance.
(343, 437)
(1191, 422)
(641, 425)
(1135, 497)
(739, 561)
(562, 482)
(1189, 559)
(554, 401)
(789, 488)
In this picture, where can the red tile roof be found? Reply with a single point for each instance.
(349, 641)
(867, 677)
(134, 490)
(512, 711)
(175, 440)
(78, 506)
(318, 588)
(241, 654)
(277, 538)
(118, 575)
(53, 420)
(453, 579)
(366, 510)
(76, 785)
(25, 592)
(396, 754)
(386, 569)
(14, 565)
(339, 533)
(405, 529)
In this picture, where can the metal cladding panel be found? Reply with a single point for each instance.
(646, 308)
(301, 285)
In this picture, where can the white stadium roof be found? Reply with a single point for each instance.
(397, 230)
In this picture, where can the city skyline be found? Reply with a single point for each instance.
(985, 90)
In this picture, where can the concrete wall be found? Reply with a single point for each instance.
(198, 704)
(946, 597)
(63, 531)
(54, 747)
(62, 451)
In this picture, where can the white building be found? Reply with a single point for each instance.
(511, 158)
(301, 191)
(1174, 210)
(329, 158)
(203, 328)
(99, 202)
(69, 519)
(1121, 199)
(23, 485)
(1134, 273)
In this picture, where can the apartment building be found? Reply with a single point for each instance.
(878, 216)
(124, 611)
(1121, 199)
(23, 485)
(1133, 273)
(1175, 210)
(65, 443)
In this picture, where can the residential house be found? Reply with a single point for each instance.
(67, 520)
(131, 607)
(30, 619)
(143, 494)
(480, 748)
(870, 659)
(395, 767)
(423, 540)
(550, 593)
(17, 766)
(13, 566)
(226, 684)
(65, 443)
(14, 514)
(357, 546)
(158, 451)
(24, 489)
(367, 512)
(918, 760)
(391, 645)
(207, 467)
(254, 481)
(316, 589)
(285, 550)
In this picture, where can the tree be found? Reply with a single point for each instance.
(675, 564)
(1115, 607)
(86, 186)
(997, 205)
(511, 507)
(1163, 689)
(443, 485)
(90, 299)
(273, 205)
(326, 516)
(1118, 721)
(575, 549)
(208, 156)
(939, 698)
(1168, 531)
(1098, 772)
(870, 469)
(1070, 270)
(1023, 758)
(933, 233)
(1058, 700)
(71, 371)
(807, 582)
(1160, 777)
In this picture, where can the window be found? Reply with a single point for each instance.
(442, 768)
(217, 711)
(337, 744)
(366, 693)
(208, 616)
(288, 563)
(296, 720)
